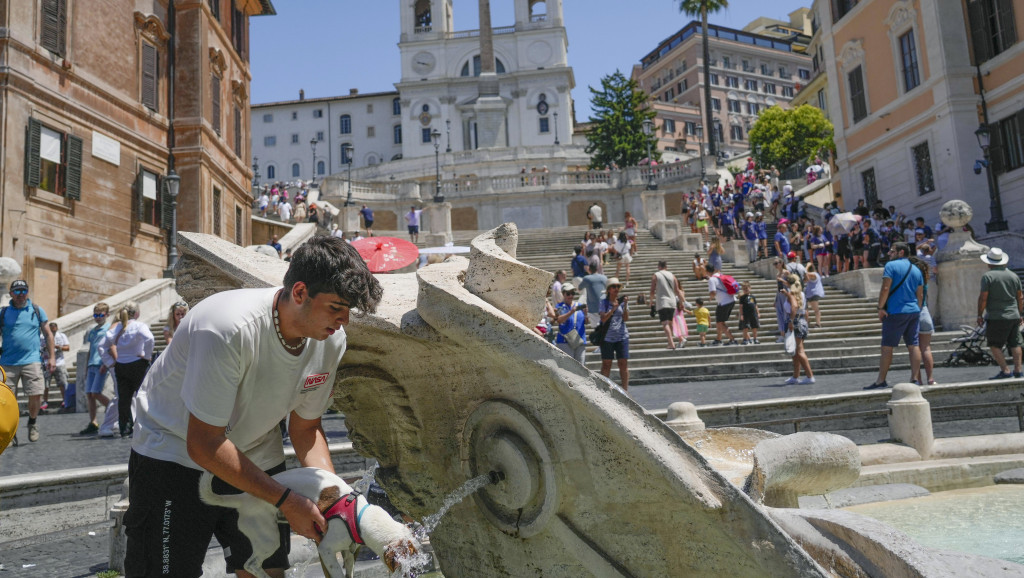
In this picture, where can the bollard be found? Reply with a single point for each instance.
(682, 416)
(910, 419)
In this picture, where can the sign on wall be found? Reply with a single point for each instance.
(106, 148)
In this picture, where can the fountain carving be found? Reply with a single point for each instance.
(446, 383)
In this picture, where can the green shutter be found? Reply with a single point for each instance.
(149, 72)
(166, 208)
(53, 26)
(215, 89)
(1007, 27)
(979, 31)
(73, 169)
(140, 204)
(33, 167)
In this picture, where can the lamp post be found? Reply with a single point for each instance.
(699, 129)
(448, 128)
(312, 167)
(648, 125)
(349, 149)
(255, 177)
(435, 135)
(997, 222)
(173, 183)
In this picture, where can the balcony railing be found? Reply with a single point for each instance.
(423, 29)
(538, 18)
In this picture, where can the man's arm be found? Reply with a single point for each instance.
(982, 302)
(310, 442)
(49, 347)
(654, 286)
(883, 297)
(209, 447)
(920, 296)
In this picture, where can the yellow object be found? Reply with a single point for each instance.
(8, 413)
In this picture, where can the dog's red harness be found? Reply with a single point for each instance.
(345, 508)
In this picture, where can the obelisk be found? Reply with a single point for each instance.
(491, 110)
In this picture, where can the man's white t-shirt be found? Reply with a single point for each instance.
(721, 295)
(595, 213)
(227, 367)
(285, 210)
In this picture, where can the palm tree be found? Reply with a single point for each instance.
(701, 8)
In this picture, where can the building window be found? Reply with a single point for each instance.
(271, 172)
(764, 70)
(769, 88)
(822, 103)
(908, 62)
(425, 136)
(736, 132)
(690, 128)
(268, 118)
(371, 132)
(295, 115)
(318, 113)
(320, 135)
(150, 94)
(345, 158)
(238, 131)
(732, 82)
(295, 170)
(867, 179)
(397, 134)
(923, 169)
(149, 201)
(714, 78)
(753, 108)
(716, 104)
(787, 91)
(499, 67)
(269, 141)
(396, 106)
(803, 73)
(750, 85)
(215, 110)
(734, 105)
(216, 212)
(545, 125)
(54, 26)
(321, 168)
(369, 108)
(345, 122)
(214, 8)
(840, 8)
(783, 73)
(53, 161)
(858, 99)
(239, 225)
(1008, 144)
(295, 138)
(669, 126)
(726, 63)
(992, 27)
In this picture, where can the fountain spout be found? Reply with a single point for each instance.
(497, 476)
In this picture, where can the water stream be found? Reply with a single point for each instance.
(431, 521)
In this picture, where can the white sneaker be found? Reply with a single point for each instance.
(790, 381)
(805, 381)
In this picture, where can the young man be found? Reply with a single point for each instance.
(899, 310)
(367, 214)
(666, 295)
(782, 238)
(20, 326)
(60, 372)
(723, 311)
(96, 375)
(412, 220)
(1001, 303)
(241, 361)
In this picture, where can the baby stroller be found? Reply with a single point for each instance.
(972, 348)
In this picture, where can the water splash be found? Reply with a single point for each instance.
(431, 521)
(363, 484)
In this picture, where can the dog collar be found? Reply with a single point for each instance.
(345, 508)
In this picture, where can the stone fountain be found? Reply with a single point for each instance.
(446, 382)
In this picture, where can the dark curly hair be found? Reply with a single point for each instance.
(328, 264)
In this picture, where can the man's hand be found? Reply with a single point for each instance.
(52, 364)
(882, 314)
(304, 517)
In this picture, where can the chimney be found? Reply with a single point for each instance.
(302, 94)
(353, 91)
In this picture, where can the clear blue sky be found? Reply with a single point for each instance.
(329, 46)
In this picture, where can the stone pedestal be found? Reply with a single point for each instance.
(491, 131)
(910, 419)
(682, 416)
(960, 271)
(666, 230)
(654, 208)
(348, 219)
(688, 242)
(437, 223)
(736, 253)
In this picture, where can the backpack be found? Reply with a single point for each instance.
(730, 284)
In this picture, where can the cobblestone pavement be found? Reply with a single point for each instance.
(82, 552)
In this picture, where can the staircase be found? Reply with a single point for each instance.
(848, 340)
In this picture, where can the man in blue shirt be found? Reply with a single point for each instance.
(367, 214)
(571, 318)
(596, 285)
(781, 239)
(762, 234)
(96, 375)
(750, 236)
(579, 267)
(20, 326)
(899, 310)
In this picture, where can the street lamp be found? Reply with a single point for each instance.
(312, 167)
(997, 223)
(435, 136)
(173, 183)
(349, 150)
(448, 128)
(699, 129)
(555, 114)
(648, 125)
(255, 177)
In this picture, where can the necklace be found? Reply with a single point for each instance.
(277, 327)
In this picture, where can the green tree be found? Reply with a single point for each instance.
(617, 135)
(783, 137)
(702, 8)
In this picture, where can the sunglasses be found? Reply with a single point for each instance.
(98, 315)
(19, 292)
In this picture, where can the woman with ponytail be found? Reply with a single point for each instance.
(129, 349)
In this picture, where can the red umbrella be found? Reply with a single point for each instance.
(386, 253)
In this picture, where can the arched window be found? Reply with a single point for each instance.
(372, 160)
(398, 134)
(320, 168)
(396, 106)
(271, 172)
(538, 11)
(423, 17)
(499, 66)
(344, 153)
(345, 122)
(295, 170)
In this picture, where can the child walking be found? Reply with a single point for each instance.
(750, 316)
(703, 321)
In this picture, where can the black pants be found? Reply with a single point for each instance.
(129, 379)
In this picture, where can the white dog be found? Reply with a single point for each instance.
(351, 521)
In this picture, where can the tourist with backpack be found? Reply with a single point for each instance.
(20, 324)
(723, 288)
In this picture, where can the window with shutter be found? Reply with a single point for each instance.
(858, 100)
(73, 168)
(149, 72)
(149, 198)
(993, 27)
(216, 212)
(166, 206)
(53, 160)
(239, 225)
(33, 134)
(215, 89)
(238, 131)
(53, 26)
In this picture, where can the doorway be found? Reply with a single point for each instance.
(46, 287)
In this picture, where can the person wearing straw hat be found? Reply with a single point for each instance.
(571, 322)
(616, 342)
(1000, 303)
